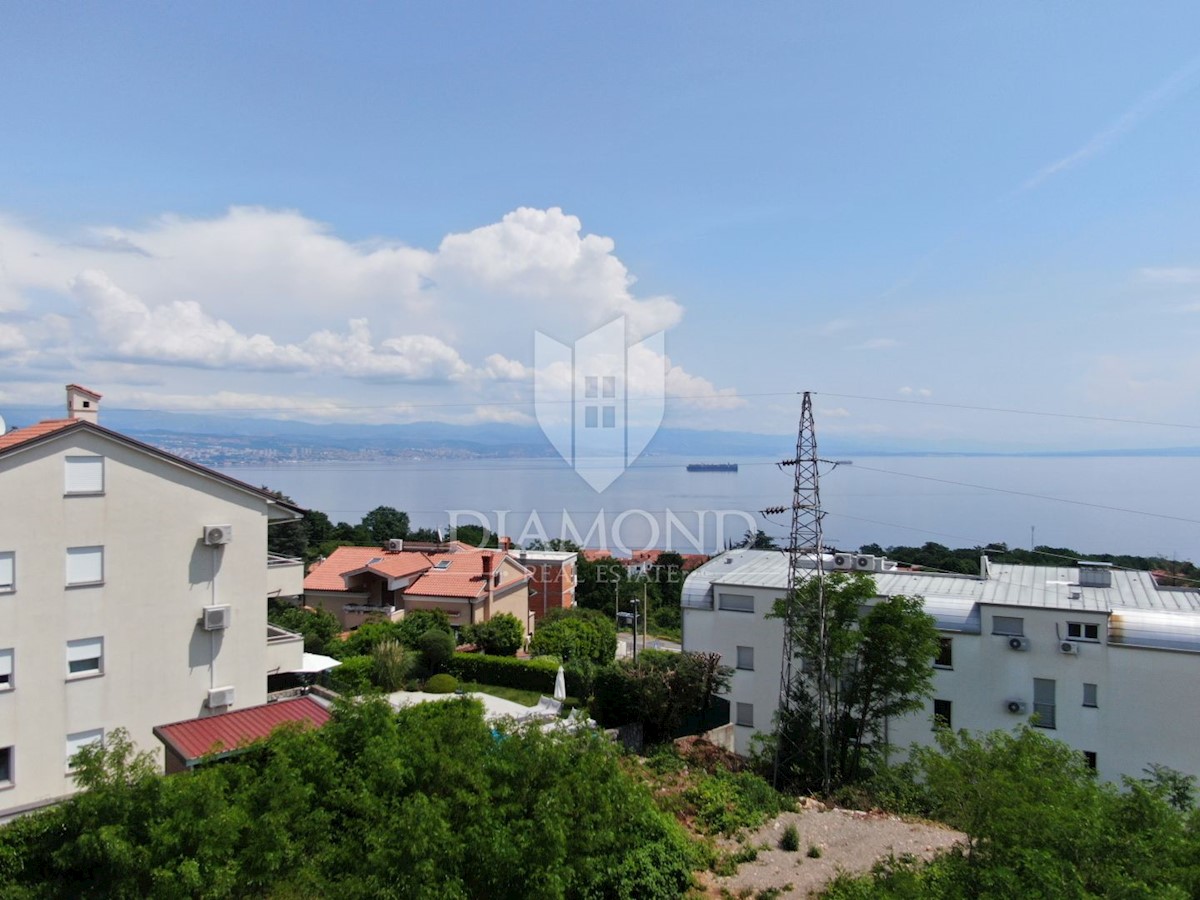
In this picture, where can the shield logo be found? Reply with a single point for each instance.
(601, 401)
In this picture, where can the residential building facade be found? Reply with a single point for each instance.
(133, 588)
(1105, 660)
(470, 585)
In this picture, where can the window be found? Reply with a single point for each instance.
(1043, 702)
(1089, 695)
(79, 740)
(609, 384)
(945, 657)
(591, 387)
(610, 417)
(590, 414)
(6, 767)
(736, 602)
(745, 658)
(85, 565)
(8, 571)
(1083, 631)
(745, 714)
(84, 475)
(6, 670)
(941, 713)
(85, 657)
(1008, 625)
(1089, 757)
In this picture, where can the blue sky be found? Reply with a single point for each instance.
(364, 212)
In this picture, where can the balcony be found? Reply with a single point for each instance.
(285, 576)
(355, 614)
(285, 650)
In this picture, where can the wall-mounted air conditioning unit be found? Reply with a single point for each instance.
(217, 618)
(218, 534)
(864, 563)
(395, 545)
(1016, 707)
(218, 697)
(1018, 643)
(843, 561)
(1068, 647)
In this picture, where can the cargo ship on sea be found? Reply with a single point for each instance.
(712, 467)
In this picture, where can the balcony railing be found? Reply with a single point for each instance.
(277, 635)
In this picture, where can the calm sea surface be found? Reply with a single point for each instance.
(1133, 505)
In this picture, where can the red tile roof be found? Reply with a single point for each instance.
(195, 738)
(21, 435)
(593, 555)
(463, 577)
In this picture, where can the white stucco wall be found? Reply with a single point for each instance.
(158, 575)
(1147, 702)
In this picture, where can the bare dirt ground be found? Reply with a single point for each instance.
(848, 841)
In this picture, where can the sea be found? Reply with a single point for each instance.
(1141, 505)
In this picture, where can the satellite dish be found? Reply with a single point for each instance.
(439, 534)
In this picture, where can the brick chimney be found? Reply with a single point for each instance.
(82, 403)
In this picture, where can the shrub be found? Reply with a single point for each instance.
(501, 635)
(791, 839)
(442, 684)
(814, 852)
(392, 665)
(353, 676)
(507, 671)
(576, 635)
(437, 648)
(728, 801)
(363, 640)
(416, 623)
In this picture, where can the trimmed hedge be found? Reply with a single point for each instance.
(442, 684)
(526, 674)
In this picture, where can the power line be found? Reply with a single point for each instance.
(1011, 410)
(984, 487)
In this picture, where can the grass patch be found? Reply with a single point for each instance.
(791, 839)
(516, 695)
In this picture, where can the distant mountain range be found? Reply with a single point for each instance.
(229, 440)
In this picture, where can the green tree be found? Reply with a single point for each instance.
(575, 635)
(319, 628)
(859, 663)
(437, 648)
(659, 691)
(758, 540)
(598, 584)
(286, 538)
(501, 635)
(474, 536)
(385, 522)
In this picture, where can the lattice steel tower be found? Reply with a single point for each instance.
(804, 565)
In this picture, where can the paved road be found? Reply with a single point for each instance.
(625, 645)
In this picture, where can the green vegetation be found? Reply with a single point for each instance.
(659, 691)
(393, 663)
(436, 648)
(501, 635)
(726, 802)
(791, 839)
(426, 803)
(575, 635)
(857, 666)
(1038, 823)
(319, 628)
(966, 559)
(516, 695)
(442, 684)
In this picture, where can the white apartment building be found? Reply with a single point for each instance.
(133, 589)
(1108, 660)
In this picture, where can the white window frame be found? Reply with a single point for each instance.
(82, 570)
(8, 571)
(741, 652)
(733, 602)
(744, 713)
(11, 780)
(84, 650)
(1095, 695)
(8, 665)
(1078, 631)
(78, 740)
(83, 475)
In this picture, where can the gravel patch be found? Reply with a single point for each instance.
(848, 841)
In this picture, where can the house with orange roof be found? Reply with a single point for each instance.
(469, 584)
(133, 589)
